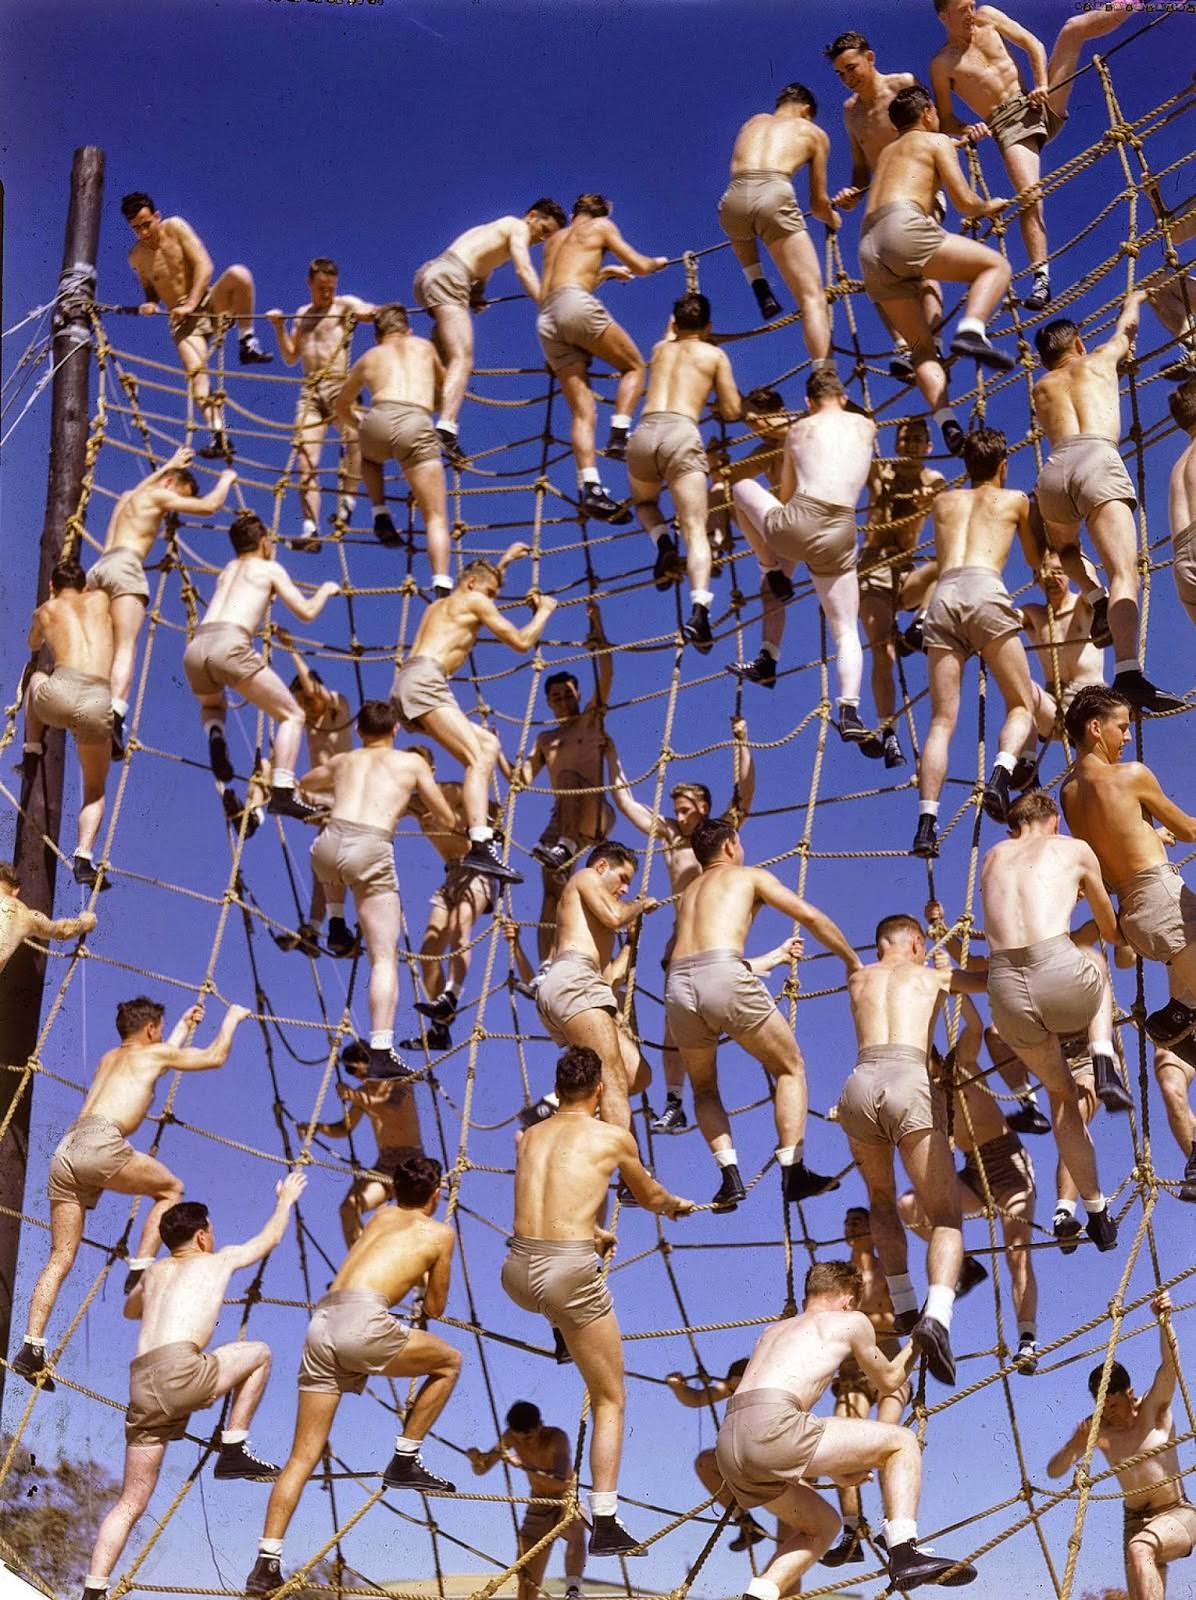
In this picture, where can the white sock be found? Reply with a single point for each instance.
(589, 475)
(754, 273)
(1004, 759)
(36, 1340)
(970, 325)
(901, 1292)
(900, 1530)
(309, 527)
(81, 854)
(1042, 273)
(851, 1520)
(33, 747)
(348, 505)
(620, 420)
(406, 1446)
(382, 1038)
(603, 1502)
(234, 1436)
(441, 580)
(940, 1303)
(450, 989)
(787, 1154)
(121, 707)
(210, 722)
(928, 808)
(726, 1158)
(763, 1589)
(336, 909)
(773, 650)
(139, 1263)
(1093, 595)
(269, 1547)
(1130, 664)
(1096, 1205)
(1100, 1047)
(944, 414)
(94, 1581)
(901, 345)
(283, 778)
(1030, 1096)
(378, 510)
(659, 532)
(1067, 1206)
(852, 700)
(480, 835)
(445, 426)
(701, 597)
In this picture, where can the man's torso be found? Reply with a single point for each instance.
(393, 1253)
(574, 255)
(982, 73)
(831, 453)
(164, 264)
(768, 143)
(404, 371)
(975, 527)
(715, 912)
(1101, 806)
(680, 376)
(181, 1300)
(868, 122)
(576, 929)
(78, 631)
(893, 1003)
(906, 170)
(1029, 888)
(562, 1170)
(1079, 397)
(123, 1087)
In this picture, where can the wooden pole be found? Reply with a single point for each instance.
(23, 980)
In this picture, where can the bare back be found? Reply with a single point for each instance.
(975, 527)
(242, 593)
(137, 517)
(802, 1354)
(1080, 396)
(775, 143)
(577, 928)
(1103, 806)
(716, 911)
(394, 1252)
(895, 1001)
(406, 369)
(181, 1299)
(1029, 886)
(373, 785)
(909, 169)
(573, 255)
(681, 375)
(487, 246)
(77, 627)
(562, 1171)
(830, 454)
(1181, 498)
(123, 1087)
(449, 629)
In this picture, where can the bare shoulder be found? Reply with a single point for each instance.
(179, 226)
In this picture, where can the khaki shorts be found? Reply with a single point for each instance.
(165, 1386)
(357, 854)
(420, 686)
(1007, 1166)
(1078, 1059)
(1019, 121)
(89, 1155)
(198, 324)
(395, 428)
(886, 574)
(538, 1522)
(887, 1095)
(220, 655)
(760, 205)
(569, 324)
(459, 884)
(1044, 989)
(557, 1278)
(1080, 475)
(1135, 1521)
(119, 573)
(77, 701)
(571, 985)
(970, 610)
(351, 1337)
(766, 1443)
(711, 994)
(814, 531)
(443, 281)
(1158, 912)
(896, 242)
(319, 395)
(1184, 564)
(664, 446)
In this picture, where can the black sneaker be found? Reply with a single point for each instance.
(799, 1183)
(851, 729)
(953, 437)
(1039, 297)
(1025, 772)
(218, 757)
(672, 1119)
(971, 1276)
(696, 630)
(616, 443)
(409, 1472)
(763, 670)
(132, 1278)
(910, 1567)
(1180, 371)
(1143, 695)
(780, 585)
(238, 1461)
(902, 368)
(265, 1577)
(343, 942)
(385, 531)
(609, 1537)
(750, 1533)
(92, 1591)
(904, 1322)
(1170, 1023)
(1110, 1090)
(86, 874)
(926, 839)
(768, 303)
(554, 856)
(384, 1063)
(1026, 1359)
(437, 1037)
(1187, 1189)
(1028, 1119)
(911, 641)
(893, 753)
(118, 736)
(1067, 1230)
(1099, 632)
(482, 856)
(306, 543)
(560, 1350)
(305, 938)
(1101, 1228)
(442, 1009)
(539, 1111)
(30, 1363)
(984, 354)
(848, 1552)
(595, 502)
(450, 443)
(221, 447)
(251, 353)
(730, 1191)
(285, 802)
(996, 795)
(934, 1342)
(668, 566)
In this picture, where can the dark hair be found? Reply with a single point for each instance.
(355, 1054)
(1033, 806)
(846, 41)
(246, 532)
(918, 425)
(940, 6)
(554, 678)
(297, 680)
(377, 719)
(833, 1277)
(737, 1368)
(185, 476)
(984, 449)
(324, 264)
(414, 1178)
(67, 574)
(8, 875)
(523, 1417)
(131, 204)
(1054, 340)
(578, 1072)
(691, 313)
(764, 398)
(545, 207)
(613, 851)
(591, 205)
(796, 94)
(859, 1211)
(907, 105)
(709, 837)
(181, 1223)
(890, 928)
(133, 1015)
(824, 384)
(390, 318)
(1182, 404)
(1093, 700)
(1119, 1380)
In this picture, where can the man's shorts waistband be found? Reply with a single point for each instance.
(235, 627)
(763, 172)
(346, 826)
(162, 1355)
(351, 1297)
(891, 1052)
(739, 1401)
(1143, 876)
(1031, 955)
(1082, 438)
(550, 1247)
(891, 209)
(704, 958)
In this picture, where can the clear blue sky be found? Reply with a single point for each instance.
(286, 128)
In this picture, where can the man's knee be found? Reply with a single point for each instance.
(449, 1365)
(1141, 1553)
(261, 1354)
(170, 1189)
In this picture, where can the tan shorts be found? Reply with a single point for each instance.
(1080, 475)
(885, 576)
(538, 1522)
(1078, 1059)
(395, 428)
(165, 1386)
(760, 205)
(119, 573)
(356, 854)
(1136, 1521)
(1007, 1166)
(1158, 912)
(200, 323)
(766, 1443)
(319, 395)
(459, 884)
(887, 1095)
(1183, 548)
(1044, 989)
(569, 324)
(220, 655)
(896, 242)
(1019, 121)
(420, 686)
(814, 531)
(664, 446)
(714, 993)
(89, 1155)
(351, 1337)
(557, 1278)
(443, 281)
(76, 701)
(571, 985)
(970, 610)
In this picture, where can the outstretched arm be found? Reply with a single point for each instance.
(960, 193)
(39, 926)
(522, 261)
(215, 1055)
(288, 344)
(1023, 39)
(342, 411)
(1159, 1396)
(705, 1394)
(820, 205)
(728, 400)
(244, 1255)
(198, 505)
(651, 1195)
(780, 957)
(596, 641)
(828, 932)
(1126, 331)
(744, 769)
(887, 1376)
(521, 639)
(639, 815)
(1093, 886)
(306, 607)
(640, 265)
(1064, 1459)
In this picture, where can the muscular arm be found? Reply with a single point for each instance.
(1093, 886)
(887, 1376)
(940, 87)
(728, 400)
(1015, 34)
(744, 769)
(39, 926)
(432, 795)
(651, 1195)
(236, 1256)
(1159, 1396)
(1161, 808)
(774, 893)
(641, 265)
(1118, 344)
(288, 343)
(960, 193)
(601, 904)
(436, 1293)
(596, 641)
(521, 639)
(350, 389)
(1063, 1460)
(306, 607)
(522, 262)
(639, 815)
(197, 505)
(820, 205)
(189, 1059)
(705, 1394)
(319, 780)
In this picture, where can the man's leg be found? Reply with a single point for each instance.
(926, 1157)
(439, 1364)
(435, 943)
(1065, 1187)
(1175, 1081)
(839, 598)
(774, 1047)
(193, 358)
(1022, 165)
(1148, 1553)
(797, 262)
(66, 1232)
(946, 677)
(1073, 36)
(379, 918)
(645, 497)
(245, 1367)
(596, 1030)
(310, 431)
(618, 349)
(875, 1163)
(232, 295)
(961, 260)
(365, 1194)
(454, 335)
(477, 750)
(598, 1351)
(876, 614)
(427, 485)
(1020, 1261)
(1006, 661)
(267, 691)
(701, 1066)
(1046, 1062)
(574, 1538)
(313, 1423)
(145, 1175)
(752, 502)
(531, 1573)
(94, 761)
(583, 408)
(128, 613)
(461, 924)
(546, 927)
(909, 320)
(349, 476)
(807, 1529)
(143, 1464)
(849, 1448)
(1115, 537)
(691, 498)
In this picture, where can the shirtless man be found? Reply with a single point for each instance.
(711, 1392)
(1181, 499)
(1113, 806)
(771, 1442)
(902, 248)
(1160, 1523)
(1041, 986)
(370, 788)
(75, 625)
(178, 1303)
(404, 376)
(666, 448)
(95, 1154)
(221, 655)
(765, 413)
(175, 271)
(828, 453)
(1078, 406)
(573, 326)
(1059, 634)
(887, 1104)
(352, 1337)
(759, 206)
(19, 922)
(447, 633)
(691, 805)
(320, 338)
(971, 614)
(900, 494)
(133, 528)
(452, 286)
(712, 989)
(562, 1169)
(1173, 299)
(576, 1004)
(528, 1444)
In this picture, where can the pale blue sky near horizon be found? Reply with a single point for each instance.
(283, 129)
